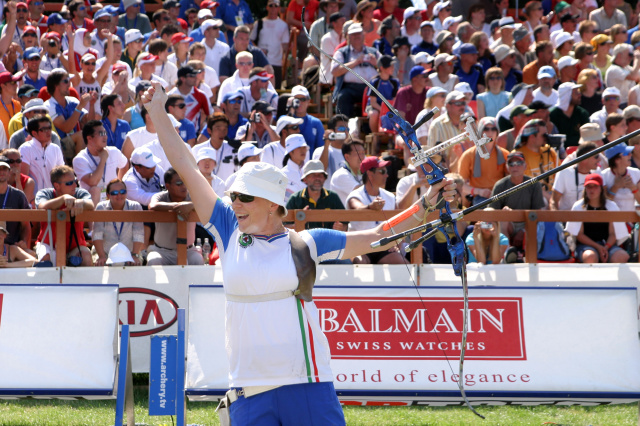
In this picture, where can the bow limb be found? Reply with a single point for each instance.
(364, 80)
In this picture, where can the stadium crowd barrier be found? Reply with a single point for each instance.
(299, 218)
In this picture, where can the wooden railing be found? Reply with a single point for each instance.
(299, 218)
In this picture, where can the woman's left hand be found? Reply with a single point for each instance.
(448, 187)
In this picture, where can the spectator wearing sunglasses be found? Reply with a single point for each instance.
(177, 107)
(79, 13)
(107, 234)
(447, 126)
(481, 174)
(17, 125)
(198, 107)
(441, 11)
(21, 22)
(65, 195)
(19, 232)
(36, 16)
(176, 198)
(17, 179)
(39, 155)
(259, 127)
(231, 105)
(98, 164)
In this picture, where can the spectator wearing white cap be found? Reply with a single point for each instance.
(567, 114)
(441, 11)
(611, 102)
(621, 74)
(469, 70)
(363, 59)
(203, 14)
(145, 177)
(507, 27)
(274, 152)
(176, 198)
(206, 161)
(427, 44)
(435, 98)
(443, 75)
(258, 90)
(314, 196)
(259, 127)
(448, 126)
(564, 44)
(311, 127)
(567, 70)
(215, 49)
(133, 19)
(133, 41)
(247, 153)
(145, 71)
(271, 34)
(545, 91)
(98, 164)
(506, 59)
(411, 25)
(297, 154)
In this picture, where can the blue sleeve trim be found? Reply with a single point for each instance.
(222, 224)
(325, 244)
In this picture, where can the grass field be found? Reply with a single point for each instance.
(67, 413)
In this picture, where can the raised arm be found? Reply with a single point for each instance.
(181, 159)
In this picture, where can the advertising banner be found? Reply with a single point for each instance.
(162, 376)
(402, 345)
(58, 339)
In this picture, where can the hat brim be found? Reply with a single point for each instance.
(250, 185)
(310, 172)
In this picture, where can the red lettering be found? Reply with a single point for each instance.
(399, 380)
(151, 306)
(434, 379)
(509, 376)
(341, 377)
(527, 376)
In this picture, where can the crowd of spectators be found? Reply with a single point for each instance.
(546, 83)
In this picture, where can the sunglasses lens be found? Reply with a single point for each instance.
(244, 198)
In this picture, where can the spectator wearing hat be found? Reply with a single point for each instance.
(597, 242)
(26, 92)
(52, 57)
(445, 41)
(363, 59)
(320, 26)
(370, 25)
(63, 194)
(448, 126)
(567, 70)
(231, 104)
(57, 25)
(566, 32)
(436, 97)
(17, 125)
(389, 30)
(608, 15)
(521, 94)
(18, 232)
(259, 127)
(567, 114)
(311, 127)
(621, 74)
(387, 8)
(443, 75)
(372, 196)
(330, 155)
(427, 33)
(314, 196)
(17, 21)
(176, 198)
(32, 74)
(632, 116)
(274, 152)
(173, 9)
(540, 157)
(271, 34)
(521, 45)
(410, 99)
(258, 90)
(133, 40)
(216, 50)
(611, 102)
(106, 237)
(145, 71)
(98, 164)
(506, 27)
(88, 80)
(545, 91)
(468, 70)
(387, 85)
(132, 18)
(206, 161)
(620, 179)
(296, 155)
(241, 44)
(208, 10)
(567, 188)
(480, 175)
(329, 43)
(30, 37)
(441, 11)
(544, 56)
(198, 107)
(518, 117)
(494, 98)
(602, 45)
(588, 134)
(144, 178)
(411, 25)
(180, 45)
(505, 58)
(8, 92)
(403, 62)
(102, 33)
(113, 109)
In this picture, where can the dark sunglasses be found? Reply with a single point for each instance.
(294, 127)
(180, 106)
(490, 129)
(381, 171)
(611, 98)
(118, 192)
(244, 198)
(22, 11)
(45, 129)
(71, 182)
(103, 21)
(233, 101)
(18, 161)
(91, 64)
(458, 103)
(177, 183)
(516, 163)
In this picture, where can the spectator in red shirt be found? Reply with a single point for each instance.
(386, 8)
(411, 98)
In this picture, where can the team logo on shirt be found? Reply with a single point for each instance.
(245, 240)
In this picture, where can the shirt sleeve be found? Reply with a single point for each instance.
(325, 244)
(122, 160)
(138, 227)
(98, 227)
(81, 166)
(222, 224)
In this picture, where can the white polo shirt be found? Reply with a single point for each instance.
(41, 161)
(84, 163)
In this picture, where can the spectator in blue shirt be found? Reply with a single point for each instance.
(311, 127)
(177, 107)
(427, 45)
(389, 29)
(469, 70)
(235, 13)
(113, 110)
(203, 15)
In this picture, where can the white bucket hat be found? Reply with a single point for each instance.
(248, 149)
(313, 166)
(294, 141)
(206, 153)
(119, 254)
(261, 180)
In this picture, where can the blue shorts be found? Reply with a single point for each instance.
(581, 248)
(302, 404)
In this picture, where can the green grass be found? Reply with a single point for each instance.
(67, 413)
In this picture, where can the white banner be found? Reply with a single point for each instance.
(388, 343)
(55, 337)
